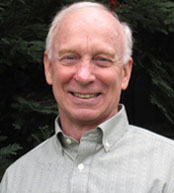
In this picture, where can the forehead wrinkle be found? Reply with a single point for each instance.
(87, 43)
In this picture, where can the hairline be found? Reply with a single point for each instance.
(67, 10)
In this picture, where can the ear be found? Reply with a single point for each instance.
(47, 68)
(127, 69)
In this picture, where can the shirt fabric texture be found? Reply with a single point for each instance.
(116, 157)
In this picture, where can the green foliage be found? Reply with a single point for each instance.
(27, 105)
(153, 26)
(6, 152)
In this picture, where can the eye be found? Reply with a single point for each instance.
(69, 59)
(103, 61)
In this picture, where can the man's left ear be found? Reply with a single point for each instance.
(127, 69)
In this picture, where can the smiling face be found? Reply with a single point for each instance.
(86, 71)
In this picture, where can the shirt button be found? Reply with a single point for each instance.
(80, 167)
(107, 145)
(68, 141)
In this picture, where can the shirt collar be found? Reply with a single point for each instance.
(112, 130)
(57, 126)
(58, 130)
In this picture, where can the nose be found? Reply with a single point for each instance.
(84, 73)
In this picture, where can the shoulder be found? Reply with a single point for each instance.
(32, 165)
(150, 139)
(38, 156)
(149, 149)
(149, 135)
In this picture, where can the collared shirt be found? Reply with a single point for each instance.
(113, 158)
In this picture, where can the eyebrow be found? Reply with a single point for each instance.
(64, 50)
(98, 52)
(104, 52)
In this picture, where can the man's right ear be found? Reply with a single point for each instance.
(47, 68)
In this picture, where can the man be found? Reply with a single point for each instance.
(88, 62)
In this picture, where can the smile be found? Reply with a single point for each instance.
(85, 96)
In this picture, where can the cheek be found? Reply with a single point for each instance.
(113, 82)
(61, 74)
(111, 78)
(58, 80)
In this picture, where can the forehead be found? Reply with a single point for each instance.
(89, 18)
(89, 14)
(89, 23)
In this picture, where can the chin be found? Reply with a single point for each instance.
(87, 116)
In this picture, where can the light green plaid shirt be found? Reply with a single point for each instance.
(113, 158)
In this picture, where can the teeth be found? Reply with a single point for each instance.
(85, 96)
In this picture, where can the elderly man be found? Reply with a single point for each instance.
(95, 150)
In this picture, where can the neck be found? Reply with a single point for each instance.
(73, 129)
(76, 128)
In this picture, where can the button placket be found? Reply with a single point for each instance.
(82, 163)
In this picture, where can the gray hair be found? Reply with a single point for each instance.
(128, 43)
